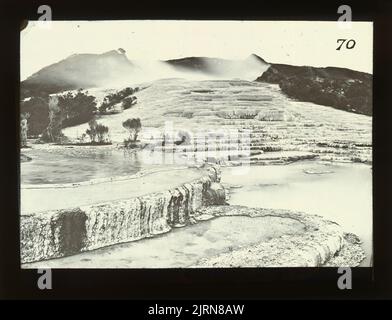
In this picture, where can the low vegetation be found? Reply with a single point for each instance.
(45, 116)
(133, 126)
(24, 129)
(77, 108)
(48, 115)
(128, 102)
(123, 96)
(183, 138)
(339, 88)
(98, 133)
(53, 132)
(353, 96)
(38, 110)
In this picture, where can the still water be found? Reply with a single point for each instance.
(339, 192)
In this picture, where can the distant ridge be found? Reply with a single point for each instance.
(78, 71)
(340, 88)
(253, 55)
(95, 70)
(217, 66)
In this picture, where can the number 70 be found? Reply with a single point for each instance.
(349, 43)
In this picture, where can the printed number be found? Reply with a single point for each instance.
(349, 44)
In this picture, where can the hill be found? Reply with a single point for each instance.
(340, 88)
(248, 68)
(79, 71)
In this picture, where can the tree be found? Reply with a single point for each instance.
(129, 102)
(92, 131)
(102, 133)
(97, 132)
(123, 96)
(67, 110)
(38, 109)
(76, 108)
(53, 131)
(104, 106)
(24, 129)
(133, 126)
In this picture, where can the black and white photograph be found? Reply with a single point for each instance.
(150, 144)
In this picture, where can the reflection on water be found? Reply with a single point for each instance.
(71, 165)
(68, 166)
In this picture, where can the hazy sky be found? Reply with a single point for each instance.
(291, 42)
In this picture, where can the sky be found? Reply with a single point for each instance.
(290, 42)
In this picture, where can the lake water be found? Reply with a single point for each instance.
(339, 192)
(77, 164)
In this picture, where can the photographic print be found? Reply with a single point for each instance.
(195, 144)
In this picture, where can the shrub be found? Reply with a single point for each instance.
(97, 132)
(48, 115)
(183, 137)
(129, 143)
(133, 126)
(129, 102)
(76, 108)
(53, 131)
(114, 98)
(82, 138)
(24, 129)
(102, 133)
(38, 109)
(92, 130)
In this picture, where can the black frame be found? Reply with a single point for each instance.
(247, 283)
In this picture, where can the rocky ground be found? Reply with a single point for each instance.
(322, 243)
(258, 115)
(230, 236)
(149, 205)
